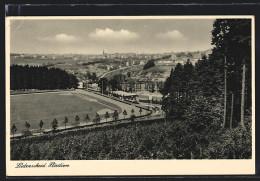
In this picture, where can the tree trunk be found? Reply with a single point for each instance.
(191, 155)
(201, 152)
(225, 93)
(234, 155)
(243, 94)
(231, 114)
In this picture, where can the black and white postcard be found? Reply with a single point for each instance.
(130, 95)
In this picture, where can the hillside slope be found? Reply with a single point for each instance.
(138, 140)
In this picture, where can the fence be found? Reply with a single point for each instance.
(37, 91)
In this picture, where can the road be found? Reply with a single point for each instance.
(116, 70)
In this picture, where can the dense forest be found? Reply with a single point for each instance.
(215, 94)
(42, 78)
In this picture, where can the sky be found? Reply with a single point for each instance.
(92, 36)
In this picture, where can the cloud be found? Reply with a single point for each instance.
(60, 38)
(109, 34)
(174, 35)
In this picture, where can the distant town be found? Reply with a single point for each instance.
(89, 68)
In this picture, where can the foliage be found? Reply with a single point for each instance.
(149, 64)
(140, 111)
(77, 120)
(124, 113)
(132, 111)
(54, 124)
(27, 125)
(42, 78)
(87, 118)
(66, 120)
(232, 40)
(97, 118)
(194, 94)
(41, 124)
(193, 103)
(128, 74)
(103, 85)
(92, 77)
(107, 115)
(116, 81)
(13, 129)
(132, 117)
(170, 139)
(232, 143)
(115, 115)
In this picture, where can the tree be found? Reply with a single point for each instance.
(115, 115)
(97, 118)
(116, 81)
(87, 118)
(54, 124)
(107, 115)
(13, 130)
(140, 111)
(202, 123)
(149, 64)
(176, 89)
(103, 84)
(189, 54)
(66, 120)
(94, 77)
(132, 111)
(243, 95)
(35, 77)
(235, 48)
(77, 120)
(124, 113)
(128, 74)
(132, 118)
(41, 125)
(27, 126)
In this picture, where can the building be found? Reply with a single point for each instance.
(141, 85)
(141, 62)
(173, 57)
(125, 95)
(165, 62)
(181, 60)
(80, 85)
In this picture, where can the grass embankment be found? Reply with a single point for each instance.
(156, 139)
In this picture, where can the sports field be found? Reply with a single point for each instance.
(47, 106)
